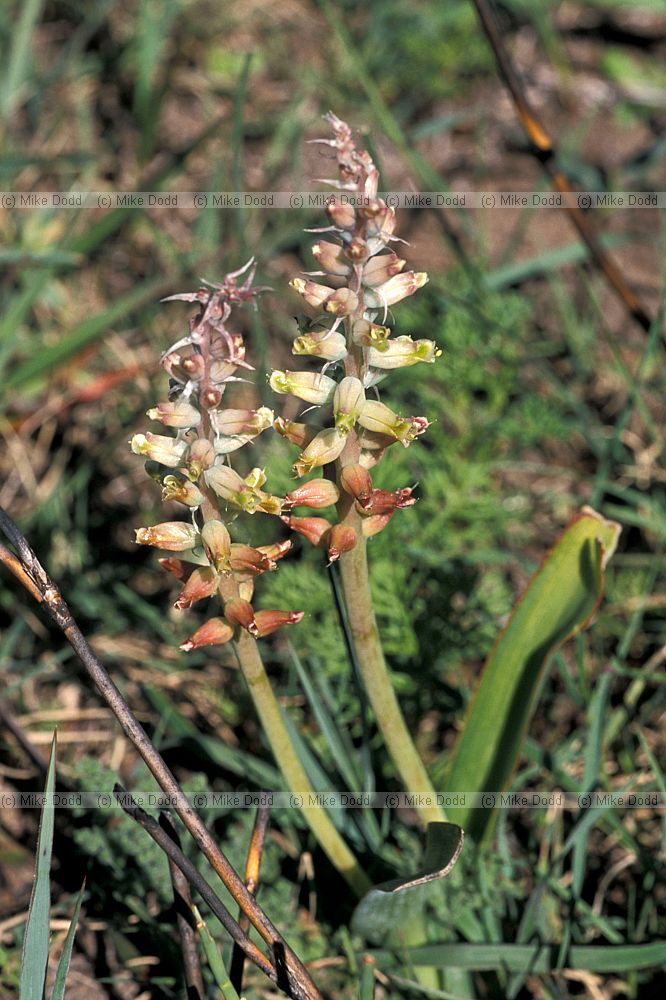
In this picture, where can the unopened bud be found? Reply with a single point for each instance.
(316, 493)
(241, 613)
(201, 583)
(217, 544)
(385, 502)
(249, 561)
(312, 528)
(177, 414)
(356, 481)
(374, 524)
(174, 566)
(165, 450)
(173, 536)
(313, 387)
(269, 621)
(225, 482)
(214, 632)
(341, 539)
(348, 401)
(324, 448)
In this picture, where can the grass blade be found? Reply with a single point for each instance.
(58, 992)
(215, 961)
(35, 957)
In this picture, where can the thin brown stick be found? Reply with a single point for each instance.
(174, 853)
(182, 898)
(296, 981)
(542, 147)
(252, 873)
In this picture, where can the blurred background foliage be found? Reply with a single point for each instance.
(546, 397)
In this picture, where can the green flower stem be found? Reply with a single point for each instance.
(376, 677)
(272, 721)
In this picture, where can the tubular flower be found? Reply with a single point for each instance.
(358, 349)
(201, 366)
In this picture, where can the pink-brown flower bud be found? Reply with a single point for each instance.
(316, 493)
(385, 502)
(180, 414)
(269, 621)
(174, 566)
(341, 539)
(356, 481)
(214, 632)
(217, 544)
(312, 528)
(201, 583)
(277, 550)
(241, 613)
(382, 267)
(173, 536)
(374, 524)
(247, 560)
(329, 258)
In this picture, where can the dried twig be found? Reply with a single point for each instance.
(541, 146)
(182, 898)
(252, 872)
(297, 982)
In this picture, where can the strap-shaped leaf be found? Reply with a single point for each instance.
(399, 903)
(560, 600)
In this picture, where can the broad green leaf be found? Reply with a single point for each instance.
(59, 983)
(561, 598)
(35, 957)
(398, 904)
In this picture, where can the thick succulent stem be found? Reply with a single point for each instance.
(274, 728)
(376, 678)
